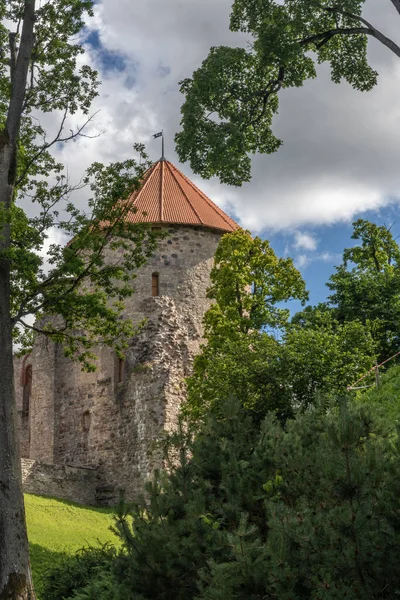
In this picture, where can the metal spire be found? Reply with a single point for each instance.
(161, 135)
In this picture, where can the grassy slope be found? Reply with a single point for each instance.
(59, 527)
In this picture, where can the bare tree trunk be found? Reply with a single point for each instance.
(14, 557)
(15, 581)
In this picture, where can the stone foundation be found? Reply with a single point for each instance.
(60, 481)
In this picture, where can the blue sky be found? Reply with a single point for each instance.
(108, 60)
(331, 241)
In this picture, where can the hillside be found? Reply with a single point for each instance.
(57, 528)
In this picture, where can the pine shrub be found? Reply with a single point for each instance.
(306, 510)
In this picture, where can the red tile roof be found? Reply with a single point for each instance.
(168, 196)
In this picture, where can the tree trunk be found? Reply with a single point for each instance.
(14, 557)
(15, 580)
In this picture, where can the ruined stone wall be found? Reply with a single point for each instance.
(42, 403)
(23, 407)
(92, 419)
(59, 481)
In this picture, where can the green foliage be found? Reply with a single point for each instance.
(333, 532)
(325, 357)
(227, 86)
(76, 572)
(248, 283)
(88, 279)
(308, 510)
(55, 82)
(247, 367)
(362, 313)
(385, 400)
(76, 291)
(254, 354)
(366, 286)
(231, 100)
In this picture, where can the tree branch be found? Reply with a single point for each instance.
(396, 4)
(24, 308)
(371, 30)
(13, 56)
(45, 331)
(320, 39)
(58, 139)
(273, 88)
(21, 71)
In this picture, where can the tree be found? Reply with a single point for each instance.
(305, 510)
(38, 75)
(366, 286)
(249, 283)
(384, 400)
(231, 100)
(253, 353)
(323, 356)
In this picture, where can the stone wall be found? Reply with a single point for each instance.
(59, 481)
(22, 397)
(95, 420)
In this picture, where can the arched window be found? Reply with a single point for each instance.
(155, 285)
(27, 389)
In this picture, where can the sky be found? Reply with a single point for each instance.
(340, 157)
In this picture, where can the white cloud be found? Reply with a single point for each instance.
(55, 236)
(305, 240)
(340, 153)
(302, 260)
(329, 257)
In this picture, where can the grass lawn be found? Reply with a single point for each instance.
(60, 527)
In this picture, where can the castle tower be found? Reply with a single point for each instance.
(112, 419)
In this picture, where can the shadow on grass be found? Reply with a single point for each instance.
(106, 510)
(42, 560)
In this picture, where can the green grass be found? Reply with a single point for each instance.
(57, 528)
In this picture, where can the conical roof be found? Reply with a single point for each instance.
(168, 196)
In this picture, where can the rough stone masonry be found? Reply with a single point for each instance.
(106, 424)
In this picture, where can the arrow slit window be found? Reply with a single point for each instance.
(119, 369)
(27, 389)
(155, 285)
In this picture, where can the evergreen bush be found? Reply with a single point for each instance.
(306, 510)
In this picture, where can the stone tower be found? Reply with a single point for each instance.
(111, 419)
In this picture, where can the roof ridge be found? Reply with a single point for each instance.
(212, 204)
(148, 175)
(162, 190)
(184, 193)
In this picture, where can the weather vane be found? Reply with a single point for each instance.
(161, 135)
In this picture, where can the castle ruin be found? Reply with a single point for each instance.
(110, 421)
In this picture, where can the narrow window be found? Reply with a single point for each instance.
(120, 370)
(27, 389)
(154, 285)
(86, 420)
